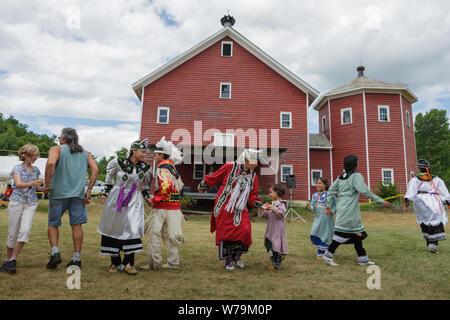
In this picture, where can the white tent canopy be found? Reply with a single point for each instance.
(7, 163)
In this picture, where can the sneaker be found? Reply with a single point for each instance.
(319, 257)
(329, 261)
(433, 248)
(168, 266)
(113, 269)
(273, 268)
(366, 263)
(55, 259)
(240, 264)
(74, 263)
(229, 267)
(10, 266)
(130, 270)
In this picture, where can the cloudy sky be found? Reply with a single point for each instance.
(72, 63)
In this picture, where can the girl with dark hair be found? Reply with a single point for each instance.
(348, 227)
(323, 225)
(275, 237)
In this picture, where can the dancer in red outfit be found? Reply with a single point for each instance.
(230, 219)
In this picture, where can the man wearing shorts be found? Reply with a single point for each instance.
(65, 175)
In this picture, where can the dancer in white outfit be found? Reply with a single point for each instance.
(429, 195)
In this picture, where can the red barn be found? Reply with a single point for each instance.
(227, 93)
(373, 120)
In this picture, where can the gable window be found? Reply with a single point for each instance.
(346, 116)
(225, 90)
(286, 120)
(383, 114)
(286, 170)
(324, 124)
(315, 174)
(227, 49)
(163, 115)
(199, 171)
(408, 119)
(387, 176)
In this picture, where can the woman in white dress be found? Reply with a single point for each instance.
(122, 222)
(429, 195)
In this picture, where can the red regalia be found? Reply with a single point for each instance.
(229, 222)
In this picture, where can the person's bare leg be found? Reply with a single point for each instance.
(53, 234)
(9, 252)
(17, 248)
(77, 235)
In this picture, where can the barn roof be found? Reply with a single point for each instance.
(319, 141)
(241, 40)
(364, 83)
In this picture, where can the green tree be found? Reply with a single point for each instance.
(103, 162)
(14, 134)
(433, 141)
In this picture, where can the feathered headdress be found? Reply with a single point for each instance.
(249, 154)
(167, 147)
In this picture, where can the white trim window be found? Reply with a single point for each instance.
(324, 124)
(408, 119)
(199, 171)
(227, 49)
(383, 114)
(223, 139)
(346, 116)
(163, 115)
(387, 176)
(315, 174)
(286, 120)
(225, 90)
(286, 170)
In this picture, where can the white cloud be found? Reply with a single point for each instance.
(101, 140)
(50, 69)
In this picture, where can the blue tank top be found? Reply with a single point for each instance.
(70, 175)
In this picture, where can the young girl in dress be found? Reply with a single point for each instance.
(275, 237)
(323, 226)
(348, 227)
(22, 205)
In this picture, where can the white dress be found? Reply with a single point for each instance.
(127, 221)
(428, 204)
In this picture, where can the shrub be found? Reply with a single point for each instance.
(389, 190)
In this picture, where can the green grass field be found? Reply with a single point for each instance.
(395, 243)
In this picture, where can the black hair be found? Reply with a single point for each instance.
(279, 189)
(71, 137)
(325, 182)
(350, 163)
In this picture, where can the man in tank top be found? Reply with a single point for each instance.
(65, 174)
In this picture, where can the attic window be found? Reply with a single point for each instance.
(227, 49)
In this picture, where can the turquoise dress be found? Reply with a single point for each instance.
(348, 217)
(323, 225)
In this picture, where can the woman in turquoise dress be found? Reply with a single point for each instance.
(323, 225)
